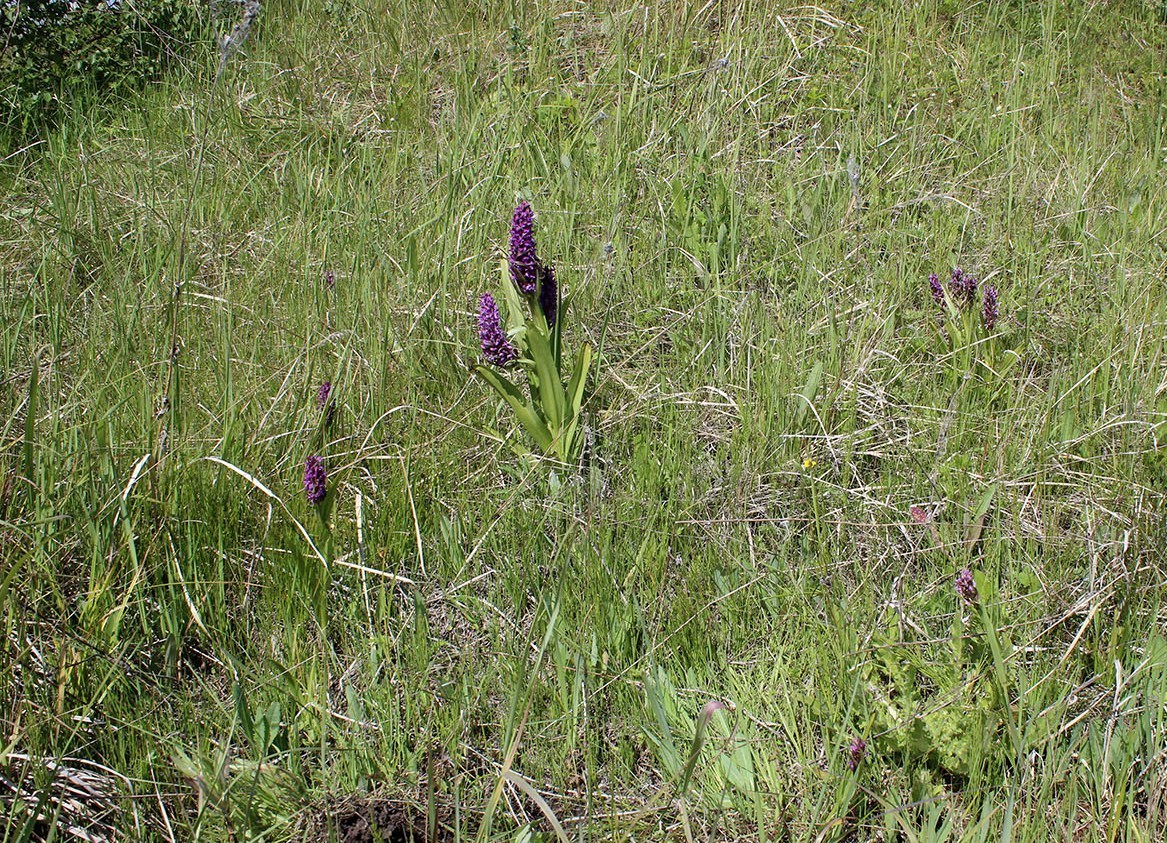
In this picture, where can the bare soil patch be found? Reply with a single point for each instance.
(375, 820)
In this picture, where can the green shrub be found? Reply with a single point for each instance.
(57, 50)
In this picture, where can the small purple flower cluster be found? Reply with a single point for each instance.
(855, 753)
(315, 479)
(322, 394)
(937, 289)
(966, 586)
(496, 348)
(962, 288)
(989, 312)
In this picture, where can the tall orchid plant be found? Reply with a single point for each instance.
(551, 409)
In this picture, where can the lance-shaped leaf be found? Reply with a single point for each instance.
(579, 379)
(566, 445)
(515, 306)
(955, 319)
(550, 387)
(524, 412)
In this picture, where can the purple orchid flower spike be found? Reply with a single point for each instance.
(964, 287)
(989, 311)
(523, 260)
(315, 479)
(856, 753)
(966, 586)
(496, 348)
(936, 288)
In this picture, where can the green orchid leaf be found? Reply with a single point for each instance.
(514, 301)
(809, 391)
(565, 443)
(579, 379)
(525, 413)
(550, 388)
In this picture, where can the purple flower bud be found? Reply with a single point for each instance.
(966, 586)
(524, 262)
(329, 280)
(322, 399)
(989, 308)
(496, 348)
(855, 753)
(548, 295)
(711, 708)
(315, 479)
(964, 287)
(937, 289)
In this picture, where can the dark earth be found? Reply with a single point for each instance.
(379, 821)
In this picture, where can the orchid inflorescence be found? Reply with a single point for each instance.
(496, 348)
(855, 753)
(966, 586)
(315, 479)
(989, 311)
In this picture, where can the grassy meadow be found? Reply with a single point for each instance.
(790, 450)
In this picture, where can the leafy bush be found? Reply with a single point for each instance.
(55, 50)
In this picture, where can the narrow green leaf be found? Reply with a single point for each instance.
(955, 321)
(1001, 675)
(550, 387)
(560, 321)
(30, 418)
(514, 301)
(565, 444)
(977, 525)
(6, 583)
(526, 415)
(809, 391)
(579, 378)
(243, 711)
